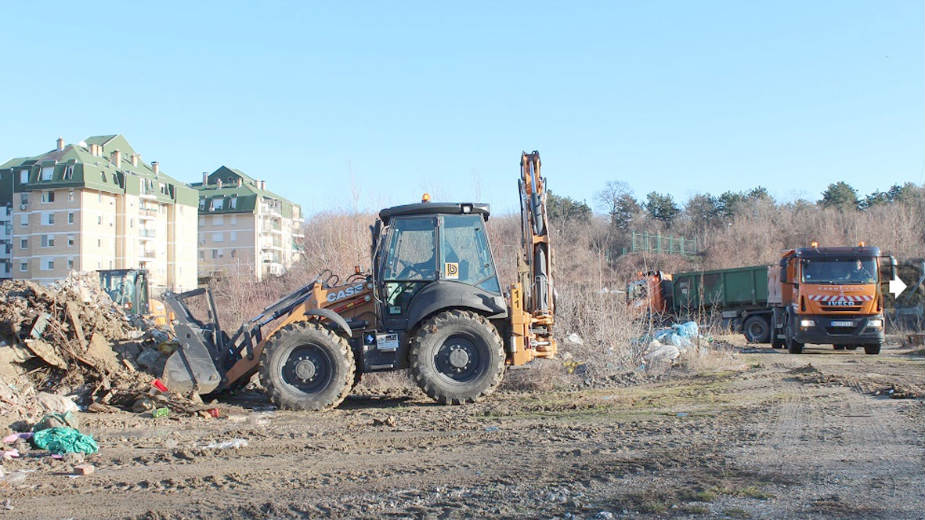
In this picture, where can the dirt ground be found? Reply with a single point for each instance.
(819, 435)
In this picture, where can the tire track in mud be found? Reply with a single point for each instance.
(839, 452)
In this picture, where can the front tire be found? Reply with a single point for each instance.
(457, 357)
(306, 366)
(872, 349)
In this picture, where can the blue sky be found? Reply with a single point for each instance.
(380, 102)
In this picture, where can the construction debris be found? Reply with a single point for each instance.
(67, 347)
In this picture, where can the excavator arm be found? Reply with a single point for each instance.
(532, 296)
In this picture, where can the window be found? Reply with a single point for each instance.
(24, 243)
(411, 250)
(48, 172)
(70, 196)
(131, 222)
(70, 241)
(44, 240)
(233, 253)
(464, 252)
(214, 253)
(233, 236)
(24, 198)
(218, 237)
(69, 172)
(217, 203)
(70, 263)
(99, 219)
(103, 176)
(48, 196)
(70, 218)
(202, 204)
(24, 220)
(24, 177)
(24, 266)
(233, 203)
(202, 254)
(47, 264)
(218, 220)
(51, 264)
(99, 243)
(49, 219)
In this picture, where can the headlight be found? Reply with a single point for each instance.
(807, 323)
(877, 323)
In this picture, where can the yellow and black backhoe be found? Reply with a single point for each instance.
(432, 303)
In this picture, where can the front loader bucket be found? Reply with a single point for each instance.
(191, 368)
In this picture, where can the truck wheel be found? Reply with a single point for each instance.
(757, 329)
(872, 349)
(457, 357)
(306, 366)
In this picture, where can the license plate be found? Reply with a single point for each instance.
(387, 342)
(842, 324)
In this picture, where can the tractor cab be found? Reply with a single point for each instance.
(428, 254)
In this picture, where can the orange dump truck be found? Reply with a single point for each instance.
(829, 295)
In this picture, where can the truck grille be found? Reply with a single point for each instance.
(841, 308)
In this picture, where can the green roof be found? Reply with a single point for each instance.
(75, 167)
(236, 188)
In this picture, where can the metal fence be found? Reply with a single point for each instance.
(662, 244)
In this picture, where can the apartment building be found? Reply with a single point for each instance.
(6, 225)
(245, 227)
(96, 205)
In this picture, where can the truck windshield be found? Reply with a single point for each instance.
(840, 270)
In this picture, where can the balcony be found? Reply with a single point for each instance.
(147, 234)
(147, 213)
(147, 255)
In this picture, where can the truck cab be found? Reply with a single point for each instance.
(829, 295)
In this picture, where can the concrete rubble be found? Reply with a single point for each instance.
(66, 347)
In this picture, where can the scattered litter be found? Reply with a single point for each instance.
(575, 339)
(214, 412)
(15, 477)
(233, 444)
(10, 454)
(52, 420)
(64, 440)
(10, 439)
(491, 428)
(160, 412)
(159, 385)
(682, 414)
(84, 469)
(8, 505)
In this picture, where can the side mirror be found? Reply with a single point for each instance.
(887, 267)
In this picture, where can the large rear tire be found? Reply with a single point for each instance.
(793, 346)
(457, 357)
(306, 366)
(757, 329)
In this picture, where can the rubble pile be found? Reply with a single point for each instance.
(69, 339)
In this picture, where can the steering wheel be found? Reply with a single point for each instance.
(409, 268)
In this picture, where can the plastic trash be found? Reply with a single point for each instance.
(10, 439)
(160, 412)
(64, 440)
(52, 420)
(667, 352)
(233, 444)
(687, 329)
(491, 428)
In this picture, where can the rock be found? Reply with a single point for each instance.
(84, 469)
(388, 421)
(663, 353)
(56, 403)
(143, 404)
(73, 458)
(575, 339)
(603, 515)
(148, 358)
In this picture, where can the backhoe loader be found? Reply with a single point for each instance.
(432, 304)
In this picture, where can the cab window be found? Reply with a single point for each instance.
(464, 252)
(410, 255)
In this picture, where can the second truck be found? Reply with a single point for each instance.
(815, 295)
